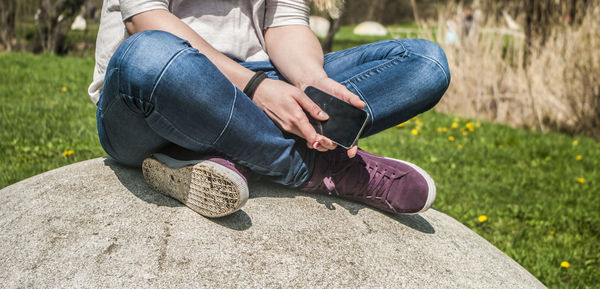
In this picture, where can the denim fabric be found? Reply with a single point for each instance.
(159, 91)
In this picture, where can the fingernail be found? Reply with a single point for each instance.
(323, 114)
(316, 145)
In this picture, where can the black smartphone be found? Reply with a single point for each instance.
(346, 122)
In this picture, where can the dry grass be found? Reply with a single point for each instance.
(551, 87)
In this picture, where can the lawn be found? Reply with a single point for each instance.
(539, 192)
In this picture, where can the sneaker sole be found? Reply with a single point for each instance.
(430, 186)
(206, 187)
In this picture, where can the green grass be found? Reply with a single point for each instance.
(524, 182)
(38, 121)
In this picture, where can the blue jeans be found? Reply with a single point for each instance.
(160, 91)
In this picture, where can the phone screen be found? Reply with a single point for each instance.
(345, 122)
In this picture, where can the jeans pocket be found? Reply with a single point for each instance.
(137, 105)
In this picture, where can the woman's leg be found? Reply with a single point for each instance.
(158, 90)
(397, 79)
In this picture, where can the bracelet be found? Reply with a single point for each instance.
(253, 83)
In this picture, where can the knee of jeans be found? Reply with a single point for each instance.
(438, 79)
(436, 54)
(142, 58)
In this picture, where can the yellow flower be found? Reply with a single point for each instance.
(414, 132)
(470, 126)
(445, 129)
(63, 89)
(552, 233)
(565, 264)
(581, 180)
(465, 133)
(578, 157)
(418, 122)
(482, 218)
(460, 146)
(454, 125)
(439, 129)
(402, 124)
(68, 153)
(575, 142)
(451, 138)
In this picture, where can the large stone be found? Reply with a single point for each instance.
(370, 28)
(96, 224)
(319, 25)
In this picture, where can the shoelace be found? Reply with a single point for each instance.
(350, 180)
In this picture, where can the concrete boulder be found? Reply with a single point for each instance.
(96, 224)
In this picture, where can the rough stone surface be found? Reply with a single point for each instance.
(96, 224)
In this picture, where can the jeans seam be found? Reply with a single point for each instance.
(166, 119)
(365, 101)
(378, 67)
(228, 118)
(164, 70)
(437, 63)
(133, 39)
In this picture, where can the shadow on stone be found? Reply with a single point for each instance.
(133, 180)
(262, 189)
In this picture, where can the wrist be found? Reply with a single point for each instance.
(310, 80)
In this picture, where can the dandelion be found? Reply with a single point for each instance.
(414, 132)
(454, 125)
(68, 153)
(451, 138)
(402, 124)
(439, 129)
(482, 219)
(575, 143)
(578, 157)
(460, 146)
(63, 89)
(464, 133)
(470, 126)
(445, 129)
(565, 264)
(581, 180)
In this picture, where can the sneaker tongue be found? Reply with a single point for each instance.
(349, 175)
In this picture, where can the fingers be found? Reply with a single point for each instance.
(352, 151)
(311, 107)
(343, 93)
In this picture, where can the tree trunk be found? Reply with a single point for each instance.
(334, 26)
(8, 13)
(54, 22)
(413, 4)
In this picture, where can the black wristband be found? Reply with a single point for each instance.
(253, 83)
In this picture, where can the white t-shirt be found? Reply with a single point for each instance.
(234, 27)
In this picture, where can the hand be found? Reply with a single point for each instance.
(338, 90)
(285, 105)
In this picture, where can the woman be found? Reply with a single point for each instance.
(183, 95)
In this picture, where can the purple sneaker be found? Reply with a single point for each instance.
(388, 184)
(213, 187)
